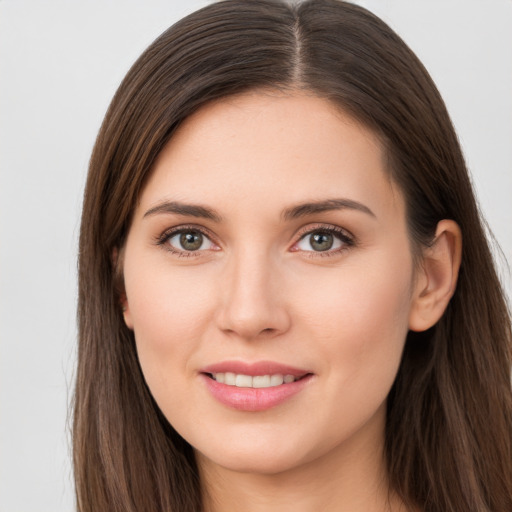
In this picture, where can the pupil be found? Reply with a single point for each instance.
(191, 241)
(321, 241)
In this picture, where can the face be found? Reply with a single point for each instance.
(269, 282)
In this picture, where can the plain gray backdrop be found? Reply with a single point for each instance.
(60, 63)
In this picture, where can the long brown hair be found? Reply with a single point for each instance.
(449, 417)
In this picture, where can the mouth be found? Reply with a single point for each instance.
(253, 387)
(241, 380)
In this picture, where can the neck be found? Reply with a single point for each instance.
(351, 477)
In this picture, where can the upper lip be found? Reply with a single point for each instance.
(253, 369)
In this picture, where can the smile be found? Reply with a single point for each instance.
(249, 381)
(254, 387)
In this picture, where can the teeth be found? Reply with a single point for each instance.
(261, 381)
(230, 379)
(247, 381)
(243, 381)
(276, 380)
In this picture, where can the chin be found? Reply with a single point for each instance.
(264, 455)
(252, 462)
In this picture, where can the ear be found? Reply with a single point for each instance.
(436, 278)
(117, 266)
(126, 312)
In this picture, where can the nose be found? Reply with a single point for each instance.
(252, 298)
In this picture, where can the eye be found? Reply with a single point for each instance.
(324, 240)
(187, 240)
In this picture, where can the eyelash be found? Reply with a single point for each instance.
(347, 239)
(164, 238)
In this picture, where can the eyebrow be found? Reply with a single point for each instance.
(191, 210)
(310, 208)
(294, 212)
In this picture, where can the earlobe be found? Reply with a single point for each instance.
(437, 276)
(117, 266)
(126, 312)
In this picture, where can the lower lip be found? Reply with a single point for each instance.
(254, 399)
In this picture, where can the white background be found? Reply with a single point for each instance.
(60, 63)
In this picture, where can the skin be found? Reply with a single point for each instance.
(257, 290)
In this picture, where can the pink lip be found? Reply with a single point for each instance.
(254, 399)
(252, 369)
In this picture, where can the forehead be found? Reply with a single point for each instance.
(262, 149)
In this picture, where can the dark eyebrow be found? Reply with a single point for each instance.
(192, 210)
(311, 208)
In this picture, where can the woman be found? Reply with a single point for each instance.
(287, 300)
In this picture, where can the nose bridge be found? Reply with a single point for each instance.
(252, 303)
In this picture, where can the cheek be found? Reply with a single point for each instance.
(360, 320)
(165, 299)
(169, 310)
